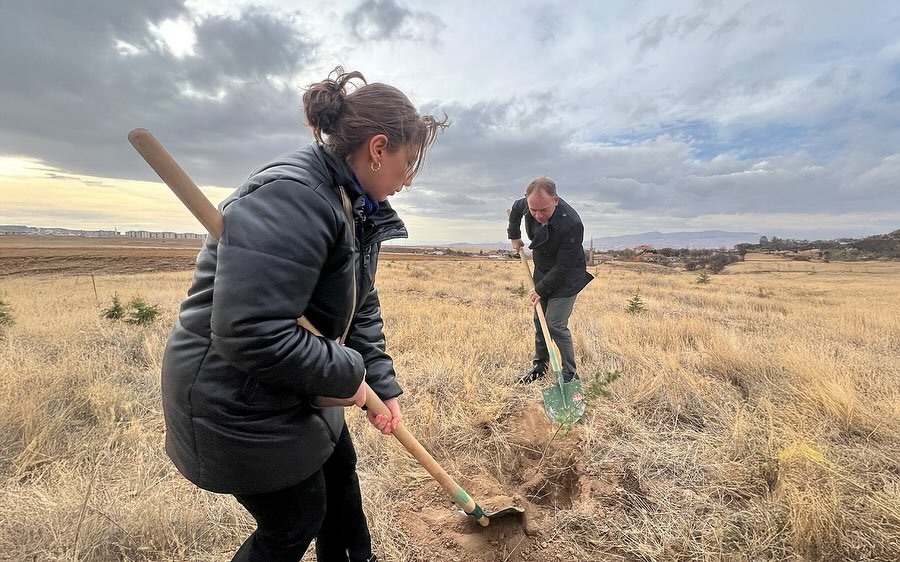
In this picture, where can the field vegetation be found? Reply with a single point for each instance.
(756, 417)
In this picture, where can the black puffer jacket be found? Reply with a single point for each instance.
(238, 372)
(560, 269)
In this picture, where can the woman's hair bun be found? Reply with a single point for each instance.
(325, 102)
(349, 115)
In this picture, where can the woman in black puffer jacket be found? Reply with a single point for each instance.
(239, 377)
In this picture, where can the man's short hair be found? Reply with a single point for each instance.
(543, 183)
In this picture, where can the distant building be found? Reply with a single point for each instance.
(42, 231)
(51, 231)
(175, 235)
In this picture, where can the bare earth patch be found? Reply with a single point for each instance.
(541, 475)
(76, 255)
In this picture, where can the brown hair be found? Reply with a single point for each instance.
(543, 183)
(347, 120)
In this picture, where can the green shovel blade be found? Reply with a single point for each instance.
(564, 402)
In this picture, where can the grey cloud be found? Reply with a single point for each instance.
(58, 177)
(482, 161)
(657, 29)
(63, 45)
(744, 16)
(75, 97)
(549, 23)
(726, 28)
(452, 200)
(48, 216)
(447, 203)
(257, 45)
(98, 183)
(375, 20)
(688, 24)
(769, 21)
(651, 35)
(765, 134)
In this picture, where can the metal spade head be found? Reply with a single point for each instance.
(564, 401)
(484, 517)
(512, 510)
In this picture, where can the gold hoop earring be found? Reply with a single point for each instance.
(374, 169)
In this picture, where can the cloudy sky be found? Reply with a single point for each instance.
(766, 116)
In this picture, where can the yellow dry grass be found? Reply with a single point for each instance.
(758, 416)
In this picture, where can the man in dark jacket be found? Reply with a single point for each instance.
(560, 272)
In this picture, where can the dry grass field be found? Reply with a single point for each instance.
(757, 418)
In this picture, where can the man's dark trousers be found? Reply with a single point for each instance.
(556, 311)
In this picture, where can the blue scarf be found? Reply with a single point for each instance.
(370, 206)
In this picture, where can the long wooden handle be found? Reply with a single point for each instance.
(184, 187)
(551, 345)
(537, 306)
(552, 348)
(177, 179)
(411, 444)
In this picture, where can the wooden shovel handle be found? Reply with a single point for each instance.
(184, 187)
(411, 444)
(177, 179)
(537, 306)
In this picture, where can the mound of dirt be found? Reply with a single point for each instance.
(542, 473)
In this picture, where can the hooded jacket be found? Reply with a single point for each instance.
(238, 372)
(560, 268)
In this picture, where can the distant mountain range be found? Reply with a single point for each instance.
(702, 239)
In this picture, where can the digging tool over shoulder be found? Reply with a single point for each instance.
(187, 191)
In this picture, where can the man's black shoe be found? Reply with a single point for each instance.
(533, 375)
